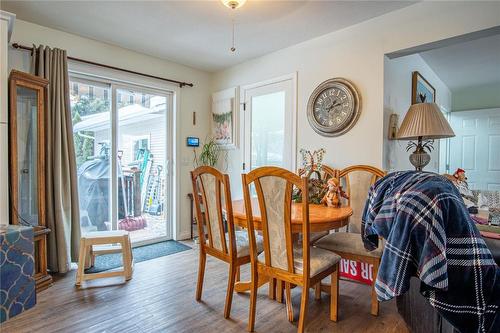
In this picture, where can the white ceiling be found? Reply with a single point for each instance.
(198, 33)
(468, 64)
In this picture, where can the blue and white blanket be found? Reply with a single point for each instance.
(429, 234)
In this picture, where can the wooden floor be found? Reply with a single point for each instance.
(160, 298)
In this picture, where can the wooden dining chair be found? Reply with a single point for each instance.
(324, 173)
(224, 242)
(356, 181)
(303, 266)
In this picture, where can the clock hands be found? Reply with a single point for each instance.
(332, 106)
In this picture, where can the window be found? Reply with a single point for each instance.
(105, 94)
(91, 92)
(131, 99)
(139, 144)
(143, 100)
(269, 123)
(75, 88)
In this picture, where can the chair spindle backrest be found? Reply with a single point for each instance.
(326, 172)
(356, 181)
(214, 189)
(274, 194)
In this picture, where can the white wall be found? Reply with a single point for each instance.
(477, 97)
(191, 99)
(356, 53)
(397, 99)
(6, 23)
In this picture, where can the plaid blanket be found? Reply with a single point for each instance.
(429, 234)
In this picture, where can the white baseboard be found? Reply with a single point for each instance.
(184, 236)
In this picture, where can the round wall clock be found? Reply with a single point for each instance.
(334, 107)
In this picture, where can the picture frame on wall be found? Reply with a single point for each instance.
(421, 90)
(224, 118)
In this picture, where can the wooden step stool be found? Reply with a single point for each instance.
(104, 242)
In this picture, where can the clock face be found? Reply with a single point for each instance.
(333, 107)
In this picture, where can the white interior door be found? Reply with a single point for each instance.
(269, 128)
(476, 147)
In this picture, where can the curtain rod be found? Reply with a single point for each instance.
(180, 83)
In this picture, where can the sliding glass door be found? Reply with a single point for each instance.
(122, 149)
(142, 161)
(91, 114)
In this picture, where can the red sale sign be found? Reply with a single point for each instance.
(356, 270)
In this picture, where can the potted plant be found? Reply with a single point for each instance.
(210, 153)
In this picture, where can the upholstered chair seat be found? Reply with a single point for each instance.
(320, 260)
(242, 244)
(347, 242)
(316, 236)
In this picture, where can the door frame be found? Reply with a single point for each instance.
(243, 89)
(172, 169)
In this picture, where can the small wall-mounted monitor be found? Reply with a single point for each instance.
(191, 141)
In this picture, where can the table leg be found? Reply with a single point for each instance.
(272, 289)
(279, 291)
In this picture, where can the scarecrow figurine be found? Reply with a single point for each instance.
(335, 192)
(460, 175)
(460, 181)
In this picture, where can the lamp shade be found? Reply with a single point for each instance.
(424, 120)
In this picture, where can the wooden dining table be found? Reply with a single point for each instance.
(321, 218)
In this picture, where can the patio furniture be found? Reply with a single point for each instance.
(224, 242)
(302, 266)
(356, 180)
(105, 242)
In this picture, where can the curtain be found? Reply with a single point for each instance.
(62, 208)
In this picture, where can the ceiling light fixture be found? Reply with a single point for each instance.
(233, 4)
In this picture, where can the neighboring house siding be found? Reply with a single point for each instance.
(154, 129)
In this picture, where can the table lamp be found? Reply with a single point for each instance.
(423, 122)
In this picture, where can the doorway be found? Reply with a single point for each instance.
(269, 135)
(476, 147)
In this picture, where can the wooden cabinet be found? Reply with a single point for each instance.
(27, 99)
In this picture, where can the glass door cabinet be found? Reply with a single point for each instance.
(27, 97)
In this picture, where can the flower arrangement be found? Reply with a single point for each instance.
(311, 166)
